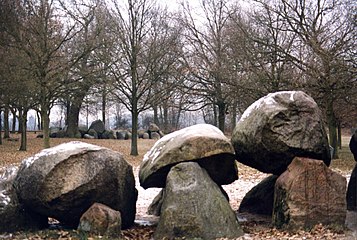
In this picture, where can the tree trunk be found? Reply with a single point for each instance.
(87, 116)
(19, 129)
(72, 120)
(221, 115)
(6, 123)
(68, 108)
(134, 130)
(23, 124)
(332, 127)
(13, 112)
(0, 127)
(215, 117)
(234, 116)
(166, 117)
(46, 126)
(177, 119)
(104, 108)
(339, 136)
(156, 115)
(39, 121)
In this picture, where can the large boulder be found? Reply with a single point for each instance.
(309, 193)
(13, 217)
(83, 129)
(155, 135)
(351, 195)
(146, 135)
(121, 134)
(87, 136)
(93, 133)
(153, 128)
(98, 126)
(141, 133)
(64, 181)
(202, 143)
(278, 127)
(156, 204)
(108, 135)
(260, 199)
(100, 219)
(54, 131)
(194, 207)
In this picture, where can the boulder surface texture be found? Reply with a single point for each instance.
(309, 193)
(202, 143)
(64, 181)
(13, 217)
(278, 127)
(194, 207)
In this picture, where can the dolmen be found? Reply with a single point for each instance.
(351, 196)
(283, 134)
(191, 165)
(63, 182)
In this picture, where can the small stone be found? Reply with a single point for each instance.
(100, 219)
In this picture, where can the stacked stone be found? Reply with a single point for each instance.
(283, 134)
(191, 165)
(153, 132)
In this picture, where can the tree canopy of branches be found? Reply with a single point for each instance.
(215, 57)
(207, 53)
(142, 56)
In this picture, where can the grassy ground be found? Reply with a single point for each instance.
(9, 155)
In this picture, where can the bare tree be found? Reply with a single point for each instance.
(207, 53)
(257, 40)
(325, 32)
(17, 83)
(41, 36)
(141, 58)
(85, 52)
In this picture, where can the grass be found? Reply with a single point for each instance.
(9, 154)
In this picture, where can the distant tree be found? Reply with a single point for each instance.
(207, 54)
(20, 90)
(141, 56)
(86, 48)
(256, 41)
(16, 76)
(40, 35)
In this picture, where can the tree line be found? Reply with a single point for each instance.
(216, 57)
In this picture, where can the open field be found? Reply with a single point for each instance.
(248, 177)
